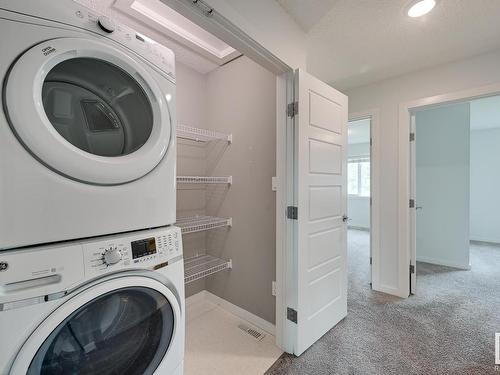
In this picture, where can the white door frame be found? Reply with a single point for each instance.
(214, 22)
(374, 116)
(405, 228)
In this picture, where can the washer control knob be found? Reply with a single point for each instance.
(112, 256)
(106, 24)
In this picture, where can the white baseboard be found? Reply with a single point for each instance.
(195, 298)
(440, 262)
(493, 241)
(233, 309)
(355, 227)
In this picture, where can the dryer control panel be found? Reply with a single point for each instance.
(145, 249)
(100, 19)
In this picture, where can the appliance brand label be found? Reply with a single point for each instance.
(48, 50)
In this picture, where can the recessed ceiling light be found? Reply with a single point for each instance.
(421, 7)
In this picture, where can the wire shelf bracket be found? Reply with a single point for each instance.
(201, 135)
(201, 223)
(201, 266)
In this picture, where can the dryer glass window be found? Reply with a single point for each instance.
(97, 107)
(126, 331)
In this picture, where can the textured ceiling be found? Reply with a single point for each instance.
(307, 13)
(356, 42)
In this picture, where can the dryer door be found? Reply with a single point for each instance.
(88, 111)
(125, 325)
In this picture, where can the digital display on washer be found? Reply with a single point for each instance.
(142, 248)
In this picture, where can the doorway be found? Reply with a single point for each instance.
(454, 154)
(359, 188)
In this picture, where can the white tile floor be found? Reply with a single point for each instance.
(215, 345)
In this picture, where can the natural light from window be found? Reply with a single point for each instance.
(358, 173)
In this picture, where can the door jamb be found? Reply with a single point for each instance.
(284, 197)
(404, 192)
(374, 116)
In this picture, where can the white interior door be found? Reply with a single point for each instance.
(318, 300)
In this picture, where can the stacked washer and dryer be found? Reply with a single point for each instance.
(91, 271)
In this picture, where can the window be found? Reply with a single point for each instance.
(358, 177)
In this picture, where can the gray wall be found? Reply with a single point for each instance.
(238, 98)
(442, 185)
(242, 100)
(484, 185)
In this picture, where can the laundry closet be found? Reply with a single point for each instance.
(226, 137)
(226, 147)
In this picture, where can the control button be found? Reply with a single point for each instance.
(112, 256)
(106, 24)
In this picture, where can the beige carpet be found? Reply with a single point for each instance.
(447, 328)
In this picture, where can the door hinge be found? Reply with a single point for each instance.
(292, 212)
(291, 314)
(412, 203)
(412, 268)
(292, 109)
(412, 137)
(371, 261)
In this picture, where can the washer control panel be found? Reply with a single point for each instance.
(145, 249)
(29, 275)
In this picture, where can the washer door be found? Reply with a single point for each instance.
(88, 111)
(120, 326)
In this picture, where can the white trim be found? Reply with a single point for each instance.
(443, 263)
(196, 298)
(233, 309)
(404, 227)
(283, 83)
(487, 240)
(374, 115)
(354, 227)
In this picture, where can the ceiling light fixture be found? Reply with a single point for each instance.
(421, 7)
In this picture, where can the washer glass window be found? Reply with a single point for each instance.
(126, 331)
(97, 107)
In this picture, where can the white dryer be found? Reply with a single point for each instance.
(87, 127)
(111, 305)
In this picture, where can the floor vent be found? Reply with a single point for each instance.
(252, 332)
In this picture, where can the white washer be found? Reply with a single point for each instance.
(87, 127)
(111, 305)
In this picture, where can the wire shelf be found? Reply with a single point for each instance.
(201, 266)
(204, 180)
(200, 223)
(201, 135)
